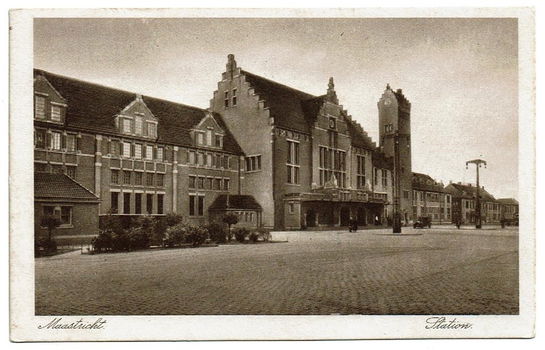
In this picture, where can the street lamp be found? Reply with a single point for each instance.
(478, 163)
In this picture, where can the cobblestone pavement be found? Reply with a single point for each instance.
(443, 271)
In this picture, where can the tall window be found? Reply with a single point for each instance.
(192, 157)
(138, 203)
(40, 138)
(196, 205)
(200, 138)
(55, 140)
(360, 172)
(114, 202)
(138, 125)
(160, 180)
(160, 204)
(152, 130)
(209, 137)
(126, 149)
(219, 141)
(375, 174)
(114, 148)
(208, 159)
(332, 164)
(39, 107)
(226, 184)
(126, 203)
(70, 142)
(149, 203)
(234, 98)
(192, 181)
(226, 99)
(293, 162)
(384, 178)
(56, 113)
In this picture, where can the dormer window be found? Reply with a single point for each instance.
(55, 113)
(152, 130)
(200, 138)
(127, 126)
(219, 141)
(209, 137)
(39, 107)
(138, 125)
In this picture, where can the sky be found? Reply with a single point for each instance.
(460, 75)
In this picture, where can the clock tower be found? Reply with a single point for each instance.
(394, 113)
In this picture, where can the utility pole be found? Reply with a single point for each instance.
(478, 163)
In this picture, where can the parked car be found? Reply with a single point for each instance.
(423, 221)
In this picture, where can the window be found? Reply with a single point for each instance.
(126, 177)
(126, 149)
(200, 158)
(225, 162)
(226, 99)
(127, 126)
(114, 148)
(219, 141)
(209, 137)
(160, 180)
(332, 123)
(149, 152)
(160, 203)
(160, 153)
(114, 176)
(70, 140)
(192, 181)
(405, 194)
(63, 213)
(234, 98)
(217, 184)
(56, 113)
(138, 178)
(384, 178)
(138, 125)
(138, 203)
(196, 205)
(126, 203)
(208, 159)
(375, 172)
(152, 130)
(200, 183)
(39, 107)
(226, 184)
(149, 179)
(389, 128)
(138, 151)
(114, 202)
(149, 203)
(71, 172)
(55, 140)
(208, 183)
(253, 163)
(192, 157)
(293, 162)
(40, 138)
(200, 138)
(291, 208)
(360, 172)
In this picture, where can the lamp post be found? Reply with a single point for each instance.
(478, 163)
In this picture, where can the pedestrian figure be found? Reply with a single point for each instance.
(458, 223)
(352, 225)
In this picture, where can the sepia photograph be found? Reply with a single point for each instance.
(338, 166)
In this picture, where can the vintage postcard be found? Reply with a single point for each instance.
(237, 174)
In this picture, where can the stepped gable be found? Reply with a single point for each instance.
(424, 182)
(359, 135)
(92, 107)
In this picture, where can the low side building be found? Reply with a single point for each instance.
(464, 203)
(430, 199)
(245, 207)
(509, 208)
(74, 205)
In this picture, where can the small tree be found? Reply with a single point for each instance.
(50, 222)
(230, 219)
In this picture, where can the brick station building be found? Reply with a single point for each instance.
(278, 157)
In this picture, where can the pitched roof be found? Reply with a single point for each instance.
(511, 201)
(424, 182)
(468, 191)
(235, 201)
(60, 186)
(286, 105)
(93, 107)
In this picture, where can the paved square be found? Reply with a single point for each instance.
(442, 271)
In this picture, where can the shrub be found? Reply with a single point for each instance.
(44, 246)
(253, 237)
(264, 234)
(120, 241)
(172, 219)
(103, 242)
(196, 235)
(139, 238)
(175, 235)
(111, 223)
(217, 233)
(241, 234)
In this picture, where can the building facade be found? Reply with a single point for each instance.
(430, 199)
(464, 199)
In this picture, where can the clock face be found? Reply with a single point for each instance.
(387, 102)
